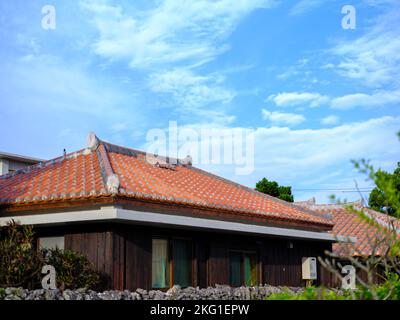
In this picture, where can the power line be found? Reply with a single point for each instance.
(333, 189)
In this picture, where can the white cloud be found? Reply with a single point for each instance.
(304, 6)
(377, 99)
(296, 69)
(169, 31)
(363, 100)
(169, 40)
(282, 117)
(329, 120)
(303, 153)
(374, 58)
(193, 92)
(298, 98)
(297, 157)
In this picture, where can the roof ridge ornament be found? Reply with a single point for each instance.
(92, 141)
(110, 178)
(112, 183)
(187, 161)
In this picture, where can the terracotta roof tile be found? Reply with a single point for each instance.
(87, 172)
(73, 176)
(348, 223)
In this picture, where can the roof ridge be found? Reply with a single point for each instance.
(109, 177)
(111, 147)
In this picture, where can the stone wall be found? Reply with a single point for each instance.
(175, 293)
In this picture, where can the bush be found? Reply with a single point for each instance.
(73, 270)
(389, 290)
(312, 293)
(20, 264)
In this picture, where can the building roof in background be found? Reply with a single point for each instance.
(19, 158)
(106, 170)
(348, 223)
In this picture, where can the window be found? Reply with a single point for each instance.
(182, 260)
(235, 262)
(171, 263)
(243, 268)
(160, 264)
(51, 243)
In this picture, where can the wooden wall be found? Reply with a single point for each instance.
(123, 254)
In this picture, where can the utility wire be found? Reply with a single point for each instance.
(323, 189)
(333, 190)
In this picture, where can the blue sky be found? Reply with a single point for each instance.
(315, 94)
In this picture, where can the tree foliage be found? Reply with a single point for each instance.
(21, 262)
(385, 248)
(20, 265)
(274, 189)
(386, 194)
(73, 269)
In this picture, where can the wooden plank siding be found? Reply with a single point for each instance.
(123, 254)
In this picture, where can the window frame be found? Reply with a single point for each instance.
(168, 261)
(39, 240)
(242, 269)
(170, 241)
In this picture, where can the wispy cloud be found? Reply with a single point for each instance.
(377, 99)
(373, 58)
(304, 6)
(170, 40)
(282, 117)
(292, 156)
(295, 155)
(193, 92)
(299, 68)
(330, 120)
(169, 31)
(298, 98)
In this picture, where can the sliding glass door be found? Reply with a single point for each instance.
(243, 268)
(172, 263)
(160, 264)
(182, 261)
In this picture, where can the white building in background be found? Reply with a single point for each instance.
(12, 162)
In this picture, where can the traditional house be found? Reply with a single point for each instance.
(148, 222)
(373, 238)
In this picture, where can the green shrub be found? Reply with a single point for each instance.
(388, 290)
(73, 270)
(20, 264)
(312, 293)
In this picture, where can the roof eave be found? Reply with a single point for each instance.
(116, 199)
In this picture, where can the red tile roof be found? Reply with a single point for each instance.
(108, 170)
(76, 175)
(370, 239)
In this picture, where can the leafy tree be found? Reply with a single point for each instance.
(274, 189)
(384, 243)
(20, 264)
(382, 200)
